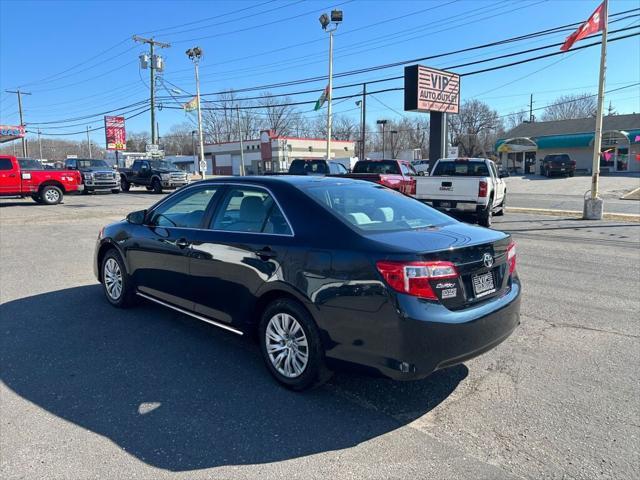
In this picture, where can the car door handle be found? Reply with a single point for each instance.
(182, 243)
(266, 253)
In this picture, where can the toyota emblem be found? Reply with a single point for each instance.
(487, 259)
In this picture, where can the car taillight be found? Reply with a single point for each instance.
(511, 257)
(482, 189)
(413, 277)
(573, 163)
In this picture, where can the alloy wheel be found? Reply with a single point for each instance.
(113, 278)
(52, 195)
(287, 345)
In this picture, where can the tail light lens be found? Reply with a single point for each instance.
(482, 189)
(413, 277)
(511, 257)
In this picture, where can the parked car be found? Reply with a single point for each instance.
(324, 270)
(303, 166)
(97, 175)
(396, 174)
(557, 163)
(421, 167)
(156, 175)
(465, 185)
(43, 186)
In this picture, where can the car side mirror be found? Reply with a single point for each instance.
(137, 217)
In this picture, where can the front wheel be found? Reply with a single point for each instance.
(485, 217)
(51, 195)
(156, 186)
(291, 347)
(117, 285)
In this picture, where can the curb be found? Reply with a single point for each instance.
(628, 217)
(630, 194)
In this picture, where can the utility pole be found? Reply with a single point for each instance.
(241, 146)
(89, 142)
(19, 92)
(155, 63)
(40, 144)
(531, 109)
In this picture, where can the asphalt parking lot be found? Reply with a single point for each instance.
(88, 391)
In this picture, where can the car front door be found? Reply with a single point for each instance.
(9, 176)
(247, 240)
(159, 251)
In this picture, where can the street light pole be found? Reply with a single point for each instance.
(25, 152)
(241, 145)
(195, 54)
(393, 143)
(383, 123)
(193, 150)
(325, 20)
(40, 144)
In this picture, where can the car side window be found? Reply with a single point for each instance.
(493, 170)
(71, 164)
(250, 210)
(5, 164)
(184, 211)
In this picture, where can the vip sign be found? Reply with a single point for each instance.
(430, 90)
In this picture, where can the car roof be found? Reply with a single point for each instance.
(296, 180)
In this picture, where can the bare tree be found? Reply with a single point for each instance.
(137, 141)
(345, 128)
(475, 128)
(566, 107)
(515, 119)
(179, 140)
(279, 116)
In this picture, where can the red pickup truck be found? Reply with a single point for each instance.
(44, 186)
(395, 174)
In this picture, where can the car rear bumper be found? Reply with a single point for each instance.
(169, 184)
(427, 336)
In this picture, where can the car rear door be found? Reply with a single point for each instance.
(10, 181)
(247, 240)
(159, 252)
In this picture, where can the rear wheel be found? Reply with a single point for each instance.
(291, 347)
(124, 184)
(51, 195)
(117, 285)
(36, 198)
(485, 217)
(156, 186)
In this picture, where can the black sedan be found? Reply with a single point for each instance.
(326, 271)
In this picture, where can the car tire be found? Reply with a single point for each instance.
(36, 198)
(291, 347)
(571, 174)
(503, 205)
(50, 195)
(115, 190)
(149, 188)
(116, 283)
(124, 184)
(156, 186)
(485, 218)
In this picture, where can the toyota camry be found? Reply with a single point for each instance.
(324, 271)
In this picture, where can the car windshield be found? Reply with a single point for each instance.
(377, 166)
(374, 208)
(92, 164)
(29, 164)
(160, 164)
(308, 167)
(461, 168)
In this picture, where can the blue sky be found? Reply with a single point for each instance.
(77, 57)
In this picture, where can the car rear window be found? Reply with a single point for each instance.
(557, 158)
(308, 167)
(461, 169)
(377, 166)
(29, 164)
(374, 208)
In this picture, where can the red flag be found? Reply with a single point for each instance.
(593, 25)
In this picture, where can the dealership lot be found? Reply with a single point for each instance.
(93, 392)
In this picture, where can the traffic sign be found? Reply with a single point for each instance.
(203, 165)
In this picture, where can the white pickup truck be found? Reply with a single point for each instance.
(468, 185)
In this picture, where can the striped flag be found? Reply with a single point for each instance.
(322, 99)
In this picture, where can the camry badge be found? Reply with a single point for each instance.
(487, 259)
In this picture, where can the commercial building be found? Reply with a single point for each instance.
(269, 153)
(531, 141)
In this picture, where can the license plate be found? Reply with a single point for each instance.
(445, 204)
(483, 284)
(562, 169)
